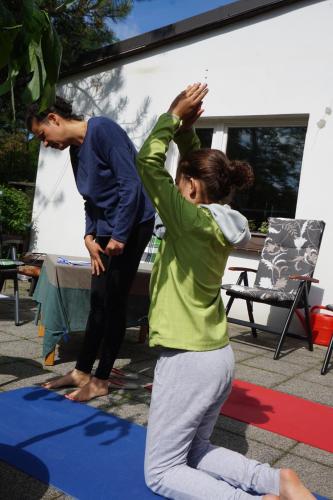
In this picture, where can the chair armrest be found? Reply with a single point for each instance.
(299, 277)
(242, 269)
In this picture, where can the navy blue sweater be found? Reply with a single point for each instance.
(107, 178)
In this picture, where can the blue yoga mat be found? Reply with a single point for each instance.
(85, 452)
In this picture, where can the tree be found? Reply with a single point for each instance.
(85, 25)
(30, 51)
(30, 34)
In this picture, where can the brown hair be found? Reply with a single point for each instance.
(217, 173)
(61, 107)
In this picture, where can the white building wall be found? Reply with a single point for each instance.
(276, 64)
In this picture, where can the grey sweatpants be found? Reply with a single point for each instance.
(180, 462)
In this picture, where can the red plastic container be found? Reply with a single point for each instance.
(322, 325)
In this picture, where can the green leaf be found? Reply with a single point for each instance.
(6, 86)
(34, 88)
(48, 95)
(34, 20)
(52, 51)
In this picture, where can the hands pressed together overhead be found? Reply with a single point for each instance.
(187, 105)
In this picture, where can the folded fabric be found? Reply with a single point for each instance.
(63, 260)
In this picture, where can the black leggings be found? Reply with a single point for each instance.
(106, 324)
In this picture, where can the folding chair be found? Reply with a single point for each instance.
(8, 271)
(283, 277)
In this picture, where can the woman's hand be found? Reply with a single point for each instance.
(187, 105)
(94, 250)
(114, 248)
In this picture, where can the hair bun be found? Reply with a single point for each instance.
(241, 174)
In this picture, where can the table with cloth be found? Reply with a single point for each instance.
(63, 297)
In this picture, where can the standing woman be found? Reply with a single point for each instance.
(119, 224)
(194, 372)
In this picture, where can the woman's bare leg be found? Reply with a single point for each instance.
(75, 378)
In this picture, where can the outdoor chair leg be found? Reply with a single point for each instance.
(327, 357)
(227, 309)
(17, 302)
(288, 320)
(307, 318)
(249, 306)
(242, 277)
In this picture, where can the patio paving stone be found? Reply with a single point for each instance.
(279, 366)
(248, 447)
(258, 376)
(315, 376)
(255, 433)
(314, 454)
(307, 390)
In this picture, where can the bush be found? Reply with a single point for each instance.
(15, 211)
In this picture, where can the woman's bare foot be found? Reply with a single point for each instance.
(292, 488)
(93, 389)
(270, 497)
(74, 378)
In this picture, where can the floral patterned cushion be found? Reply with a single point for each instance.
(291, 247)
(259, 294)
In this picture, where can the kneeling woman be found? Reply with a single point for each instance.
(194, 372)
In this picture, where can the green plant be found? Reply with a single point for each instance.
(263, 228)
(252, 225)
(15, 210)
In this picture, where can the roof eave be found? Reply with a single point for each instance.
(208, 21)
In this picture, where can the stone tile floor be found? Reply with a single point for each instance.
(297, 372)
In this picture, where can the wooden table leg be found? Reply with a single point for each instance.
(49, 359)
(41, 330)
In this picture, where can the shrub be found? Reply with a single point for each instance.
(15, 211)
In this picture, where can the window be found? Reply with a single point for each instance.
(274, 148)
(275, 154)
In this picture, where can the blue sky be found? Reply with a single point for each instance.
(148, 15)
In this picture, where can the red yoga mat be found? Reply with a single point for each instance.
(295, 418)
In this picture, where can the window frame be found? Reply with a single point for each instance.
(221, 125)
